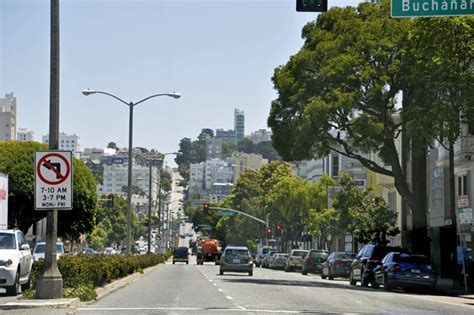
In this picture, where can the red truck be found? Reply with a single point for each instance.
(208, 250)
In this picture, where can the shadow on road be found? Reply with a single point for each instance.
(316, 284)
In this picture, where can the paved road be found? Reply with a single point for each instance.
(185, 289)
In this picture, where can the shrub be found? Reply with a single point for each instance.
(82, 273)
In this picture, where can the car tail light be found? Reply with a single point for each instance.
(374, 259)
(432, 273)
(396, 268)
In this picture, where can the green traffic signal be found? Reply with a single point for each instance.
(311, 5)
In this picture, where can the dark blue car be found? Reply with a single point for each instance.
(403, 270)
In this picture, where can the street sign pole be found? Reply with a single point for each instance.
(49, 284)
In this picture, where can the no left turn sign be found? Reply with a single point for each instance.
(53, 180)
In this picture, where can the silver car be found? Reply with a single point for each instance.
(236, 259)
(295, 260)
(16, 261)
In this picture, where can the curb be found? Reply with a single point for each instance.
(26, 304)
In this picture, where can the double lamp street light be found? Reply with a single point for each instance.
(130, 105)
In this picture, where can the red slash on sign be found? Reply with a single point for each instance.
(55, 167)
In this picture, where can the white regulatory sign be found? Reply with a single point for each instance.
(53, 180)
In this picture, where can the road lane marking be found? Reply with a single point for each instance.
(359, 302)
(220, 290)
(229, 297)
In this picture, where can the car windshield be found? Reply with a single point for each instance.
(265, 250)
(40, 248)
(299, 253)
(7, 241)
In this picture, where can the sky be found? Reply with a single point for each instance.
(219, 54)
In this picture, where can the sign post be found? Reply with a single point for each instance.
(464, 215)
(53, 180)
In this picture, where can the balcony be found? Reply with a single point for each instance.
(463, 151)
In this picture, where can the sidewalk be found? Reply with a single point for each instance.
(73, 302)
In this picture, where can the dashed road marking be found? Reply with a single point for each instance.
(229, 297)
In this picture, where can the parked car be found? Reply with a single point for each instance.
(278, 261)
(40, 249)
(236, 259)
(369, 257)
(295, 260)
(16, 261)
(181, 254)
(338, 264)
(268, 258)
(313, 261)
(405, 271)
(261, 254)
(88, 251)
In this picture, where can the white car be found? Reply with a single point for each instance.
(16, 261)
(40, 249)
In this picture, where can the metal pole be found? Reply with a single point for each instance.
(149, 208)
(458, 223)
(50, 283)
(129, 197)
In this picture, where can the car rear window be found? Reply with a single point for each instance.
(237, 252)
(182, 251)
(319, 255)
(344, 256)
(40, 248)
(381, 251)
(299, 253)
(412, 259)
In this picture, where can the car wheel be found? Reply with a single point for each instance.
(15, 288)
(374, 283)
(352, 281)
(287, 269)
(304, 272)
(187, 262)
(173, 262)
(250, 273)
(386, 284)
(221, 272)
(27, 285)
(364, 282)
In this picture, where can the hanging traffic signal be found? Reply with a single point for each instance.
(205, 208)
(278, 230)
(269, 231)
(311, 5)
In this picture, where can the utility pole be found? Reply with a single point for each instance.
(49, 284)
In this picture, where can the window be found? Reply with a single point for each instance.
(462, 185)
(335, 165)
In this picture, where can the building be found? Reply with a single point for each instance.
(66, 142)
(8, 117)
(225, 135)
(92, 154)
(239, 125)
(213, 148)
(241, 161)
(24, 134)
(260, 135)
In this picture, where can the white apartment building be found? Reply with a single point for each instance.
(213, 148)
(196, 177)
(260, 135)
(116, 178)
(66, 142)
(92, 154)
(8, 117)
(24, 134)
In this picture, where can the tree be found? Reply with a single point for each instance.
(247, 146)
(112, 145)
(266, 149)
(17, 161)
(362, 213)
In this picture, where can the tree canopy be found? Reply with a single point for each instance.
(17, 161)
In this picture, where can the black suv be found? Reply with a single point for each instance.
(369, 257)
(181, 254)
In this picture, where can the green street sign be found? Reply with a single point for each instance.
(225, 213)
(431, 8)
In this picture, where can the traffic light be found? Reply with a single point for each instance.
(205, 208)
(269, 231)
(278, 230)
(311, 5)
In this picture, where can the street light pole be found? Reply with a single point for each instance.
(131, 105)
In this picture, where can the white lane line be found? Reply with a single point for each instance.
(138, 308)
(220, 290)
(229, 297)
(215, 284)
(359, 302)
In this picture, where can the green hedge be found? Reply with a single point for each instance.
(97, 269)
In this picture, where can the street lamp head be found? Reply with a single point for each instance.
(174, 95)
(88, 92)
